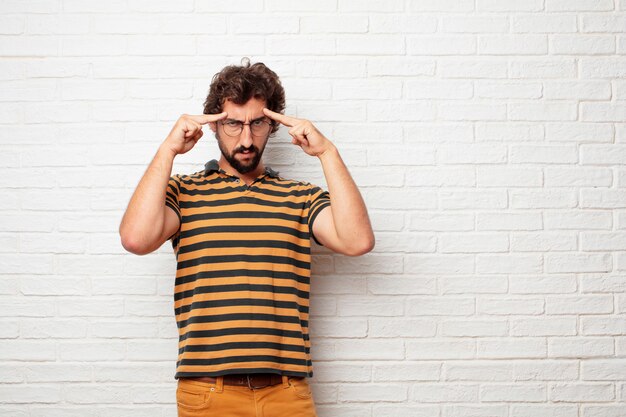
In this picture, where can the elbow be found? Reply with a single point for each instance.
(362, 247)
(132, 246)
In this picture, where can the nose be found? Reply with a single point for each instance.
(245, 140)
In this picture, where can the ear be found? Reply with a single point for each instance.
(213, 126)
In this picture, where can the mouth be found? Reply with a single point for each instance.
(246, 154)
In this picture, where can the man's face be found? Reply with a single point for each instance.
(243, 152)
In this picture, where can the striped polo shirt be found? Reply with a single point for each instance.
(243, 253)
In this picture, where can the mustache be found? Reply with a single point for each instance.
(252, 148)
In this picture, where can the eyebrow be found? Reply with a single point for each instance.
(253, 120)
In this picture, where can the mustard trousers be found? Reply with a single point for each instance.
(291, 398)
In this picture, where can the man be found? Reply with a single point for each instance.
(241, 234)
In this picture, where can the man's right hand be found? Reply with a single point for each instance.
(188, 130)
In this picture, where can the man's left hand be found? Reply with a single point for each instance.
(303, 133)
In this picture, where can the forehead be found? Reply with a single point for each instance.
(252, 109)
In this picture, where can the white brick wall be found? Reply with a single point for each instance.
(489, 141)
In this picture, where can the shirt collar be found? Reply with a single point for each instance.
(212, 165)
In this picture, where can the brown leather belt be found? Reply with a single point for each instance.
(251, 381)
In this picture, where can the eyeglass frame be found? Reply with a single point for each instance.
(271, 123)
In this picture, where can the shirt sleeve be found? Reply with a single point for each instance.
(171, 197)
(319, 200)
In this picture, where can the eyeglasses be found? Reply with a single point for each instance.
(258, 127)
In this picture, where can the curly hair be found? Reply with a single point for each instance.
(240, 83)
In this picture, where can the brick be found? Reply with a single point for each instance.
(543, 23)
(417, 90)
(545, 241)
(406, 371)
(29, 394)
(475, 24)
(441, 45)
(390, 327)
(520, 347)
(9, 329)
(491, 284)
(508, 263)
(289, 6)
(371, 88)
(472, 199)
(509, 131)
(242, 6)
(602, 326)
(580, 347)
(590, 283)
(508, 6)
(471, 112)
(512, 44)
(581, 392)
(603, 112)
(373, 393)
(229, 45)
(579, 5)
(508, 90)
(42, 6)
(442, 348)
(548, 111)
(575, 262)
(508, 221)
(28, 90)
(599, 198)
(529, 410)
(370, 45)
(370, 306)
(395, 111)
(581, 44)
(441, 6)
(543, 154)
(579, 131)
(57, 372)
(467, 67)
(332, 67)
(82, 307)
(602, 67)
(612, 23)
(437, 177)
(318, 45)
(98, 394)
(578, 220)
(333, 23)
(358, 349)
(400, 66)
(402, 23)
(508, 392)
(52, 328)
(564, 326)
(506, 306)
(591, 90)
(586, 304)
(524, 67)
(474, 328)
(338, 328)
(473, 243)
(602, 241)
(22, 350)
(196, 23)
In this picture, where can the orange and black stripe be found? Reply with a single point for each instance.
(241, 295)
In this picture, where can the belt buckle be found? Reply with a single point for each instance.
(255, 387)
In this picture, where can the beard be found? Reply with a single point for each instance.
(243, 167)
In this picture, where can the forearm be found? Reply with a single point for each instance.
(142, 223)
(349, 212)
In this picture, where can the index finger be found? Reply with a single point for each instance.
(207, 118)
(286, 120)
